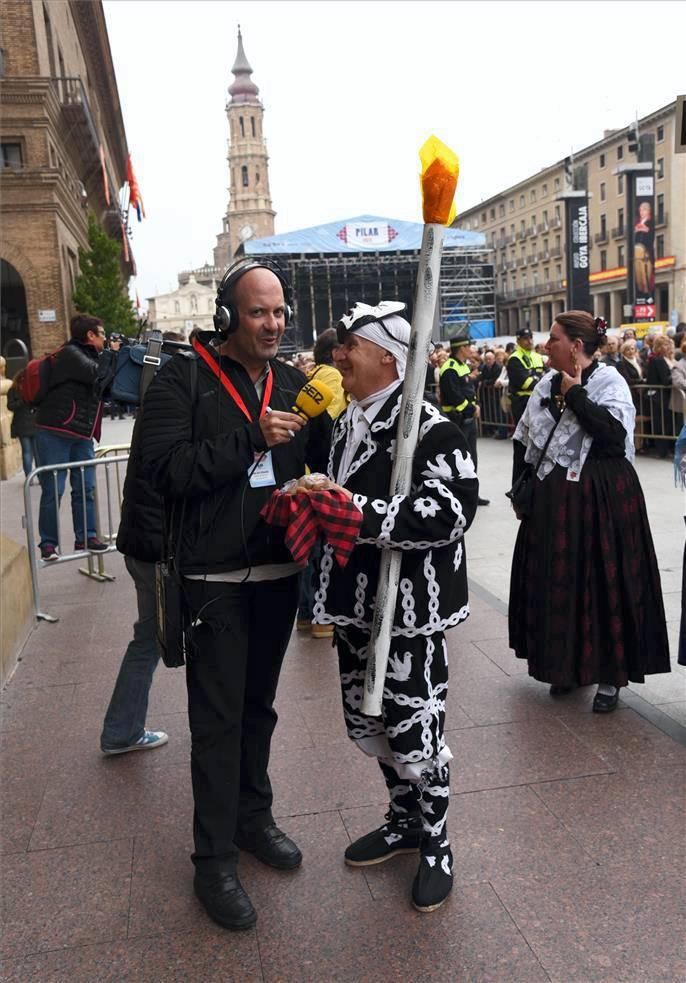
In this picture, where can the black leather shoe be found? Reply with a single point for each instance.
(224, 900)
(483, 501)
(604, 703)
(272, 847)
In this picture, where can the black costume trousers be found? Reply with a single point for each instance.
(232, 674)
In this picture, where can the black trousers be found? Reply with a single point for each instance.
(232, 674)
(518, 407)
(468, 428)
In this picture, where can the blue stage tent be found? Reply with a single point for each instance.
(363, 233)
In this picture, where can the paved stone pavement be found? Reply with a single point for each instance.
(567, 827)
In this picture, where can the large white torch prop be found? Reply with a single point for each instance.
(440, 170)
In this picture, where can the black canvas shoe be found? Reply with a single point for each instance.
(397, 836)
(434, 880)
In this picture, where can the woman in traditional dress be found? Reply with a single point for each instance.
(585, 597)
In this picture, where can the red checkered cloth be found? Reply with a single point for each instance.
(309, 515)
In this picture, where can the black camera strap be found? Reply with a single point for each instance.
(168, 529)
(151, 362)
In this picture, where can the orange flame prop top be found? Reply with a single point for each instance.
(440, 171)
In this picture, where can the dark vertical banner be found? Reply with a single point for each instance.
(642, 251)
(578, 252)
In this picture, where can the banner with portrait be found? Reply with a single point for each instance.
(642, 251)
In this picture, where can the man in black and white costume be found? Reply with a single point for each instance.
(428, 526)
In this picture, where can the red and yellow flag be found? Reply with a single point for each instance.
(135, 197)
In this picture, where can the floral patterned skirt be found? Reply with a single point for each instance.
(585, 596)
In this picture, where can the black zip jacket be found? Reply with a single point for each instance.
(199, 454)
(23, 416)
(78, 379)
(141, 523)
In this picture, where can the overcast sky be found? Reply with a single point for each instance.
(352, 89)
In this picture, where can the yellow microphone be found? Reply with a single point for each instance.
(312, 400)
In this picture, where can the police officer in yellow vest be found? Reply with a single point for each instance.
(524, 368)
(457, 384)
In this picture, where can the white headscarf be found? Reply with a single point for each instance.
(396, 341)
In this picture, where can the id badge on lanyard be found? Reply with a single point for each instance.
(261, 471)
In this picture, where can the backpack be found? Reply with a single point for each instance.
(137, 365)
(33, 381)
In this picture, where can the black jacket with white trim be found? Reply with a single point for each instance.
(427, 526)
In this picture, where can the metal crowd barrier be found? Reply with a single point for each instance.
(493, 420)
(107, 459)
(655, 421)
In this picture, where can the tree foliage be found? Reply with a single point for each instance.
(99, 289)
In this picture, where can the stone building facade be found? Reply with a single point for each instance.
(62, 133)
(190, 306)
(524, 226)
(249, 214)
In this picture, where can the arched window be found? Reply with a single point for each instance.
(244, 176)
(194, 304)
(242, 126)
(177, 307)
(252, 124)
(257, 177)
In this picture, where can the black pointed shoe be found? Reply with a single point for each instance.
(604, 703)
(272, 847)
(223, 898)
(398, 835)
(434, 880)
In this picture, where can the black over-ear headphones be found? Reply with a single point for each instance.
(226, 314)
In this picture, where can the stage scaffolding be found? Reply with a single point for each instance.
(326, 285)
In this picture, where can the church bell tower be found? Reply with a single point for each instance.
(249, 214)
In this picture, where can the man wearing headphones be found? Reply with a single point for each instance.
(216, 455)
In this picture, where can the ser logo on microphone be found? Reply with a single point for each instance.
(313, 399)
(313, 393)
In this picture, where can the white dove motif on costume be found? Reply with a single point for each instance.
(431, 861)
(392, 838)
(464, 465)
(398, 668)
(441, 469)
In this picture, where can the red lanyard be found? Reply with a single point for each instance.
(229, 386)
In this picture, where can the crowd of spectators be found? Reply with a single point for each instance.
(654, 368)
